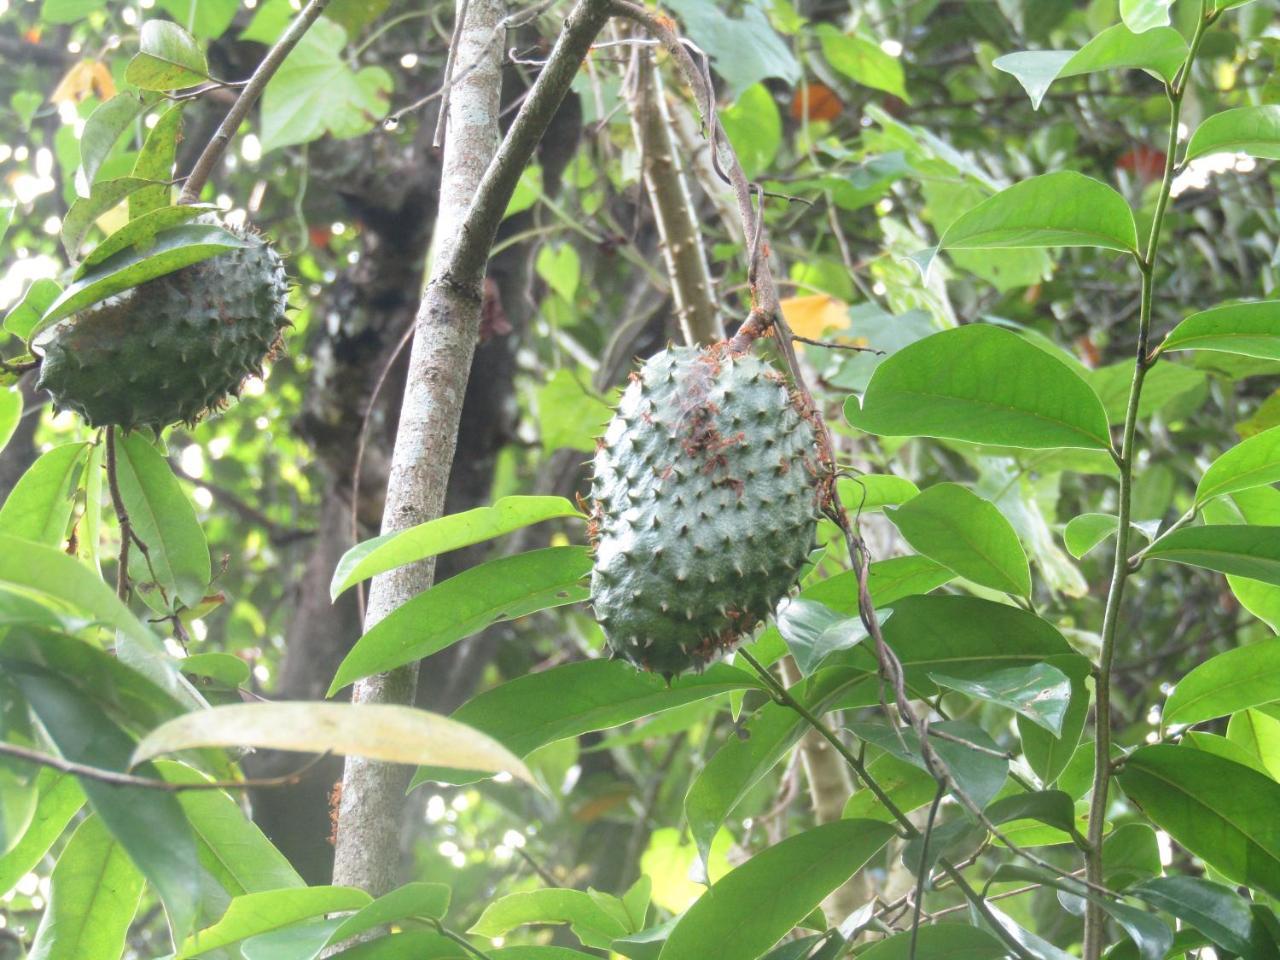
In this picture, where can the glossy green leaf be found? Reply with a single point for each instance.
(38, 507)
(1218, 912)
(93, 895)
(420, 945)
(1051, 807)
(862, 61)
(1221, 811)
(1258, 734)
(953, 525)
(871, 491)
(814, 631)
(1254, 462)
(754, 127)
(1253, 130)
(155, 162)
(85, 210)
(139, 233)
(149, 824)
(208, 19)
(1086, 531)
(540, 708)
(1249, 329)
(1130, 854)
(939, 941)
(1160, 51)
(1140, 15)
(904, 783)
(749, 909)
(60, 798)
(257, 913)
(10, 414)
(979, 774)
(379, 731)
(19, 797)
(591, 922)
(1163, 384)
(168, 58)
(744, 49)
(163, 518)
(103, 128)
(456, 530)
(1225, 747)
(1040, 692)
(1048, 755)
(1244, 677)
(171, 250)
(24, 315)
(887, 581)
(981, 384)
(1246, 551)
(502, 589)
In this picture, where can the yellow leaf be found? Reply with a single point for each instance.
(104, 85)
(812, 315)
(76, 84)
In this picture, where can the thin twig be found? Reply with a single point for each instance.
(833, 345)
(122, 516)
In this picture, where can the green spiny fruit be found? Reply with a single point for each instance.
(705, 498)
(171, 349)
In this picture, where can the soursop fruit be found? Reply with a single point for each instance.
(171, 349)
(704, 502)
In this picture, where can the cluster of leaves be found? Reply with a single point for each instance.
(983, 444)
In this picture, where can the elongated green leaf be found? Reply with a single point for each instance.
(155, 162)
(164, 519)
(168, 58)
(502, 589)
(1218, 912)
(813, 631)
(139, 233)
(10, 414)
(105, 195)
(1231, 681)
(1086, 531)
(23, 317)
(148, 823)
(1258, 734)
(904, 783)
(591, 923)
(888, 581)
(1143, 15)
(1047, 754)
(979, 774)
(379, 731)
(38, 508)
(1130, 854)
(939, 941)
(753, 906)
(172, 250)
(1160, 51)
(1246, 551)
(258, 913)
(59, 800)
(961, 530)
(1252, 130)
(1221, 811)
(1254, 462)
(872, 491)
(103, 129)
(392, 550)
(1224, 747)
(1040, 692)
(1063, 209)
(862, 61)
(1249, 329)
(1052, 807)
(982, 384)
(1163, 384)
(94, 893)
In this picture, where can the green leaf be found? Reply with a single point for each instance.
(591, 923)
(904, 783)
(540, 708)
(1063, 209)
(1252, 130)
(1248, 329)
(93, 895)
(748, 910)
(570, 415)
(1048, 755)
(163, 518)
(813, 631)
(149, 824)
(980, 775)
(1258, 734)
(26, 313)
(862, 61)
(205, 18)
(258, 913)
(103, 129)
(38, 507)
(1051, 807)
(871, 491)
(1160, 51)
(314, 92)
(226, 668)
(378, 731)
(1233, 750)
(1086, 531)
(168, 58)
(422, 945)
(10, 414)
(1254, 462)
(961, 530)
(1162, 385)
(744, 50)
(155, 162)
(1246, 551)
(502, 589)
(138, 233)
(1141, 15)
(85, 210)
(939, 941)
(1130, 853)
(60, 798)
(171, 250)
(981, 384)
(1040, 692)
(456, 530)
(1244, 677)
(1221, 811)
(754, 127)
(1218, 912)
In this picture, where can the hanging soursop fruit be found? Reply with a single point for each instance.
(171, 349)
(705, 498)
